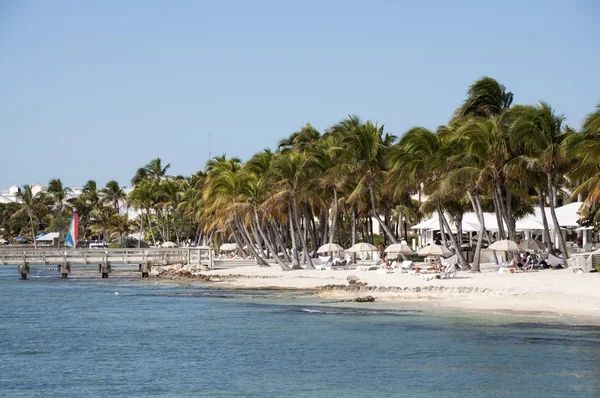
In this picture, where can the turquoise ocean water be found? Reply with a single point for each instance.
(78, 338)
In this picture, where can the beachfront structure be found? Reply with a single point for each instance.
(529, 226)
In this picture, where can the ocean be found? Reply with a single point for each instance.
(127, 337)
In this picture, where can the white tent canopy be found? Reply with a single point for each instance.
(567, 217)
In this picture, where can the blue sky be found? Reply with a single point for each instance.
(94, 90)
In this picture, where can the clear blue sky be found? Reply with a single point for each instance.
(94, 90)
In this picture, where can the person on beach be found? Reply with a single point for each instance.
(381, 250)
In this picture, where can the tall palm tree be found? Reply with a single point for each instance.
(486, 98)
(91, 193)
(587, 149)
(366, 150)
(84, 210)
(291, 174)
(8, 224)
(153, 171)
(34, 206)
(539, 133)
(59, 193)
(112, 194)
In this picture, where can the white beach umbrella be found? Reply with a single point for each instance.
(505, 245)
(532, 245)
(330, 247)
(434, 250)
(227, 247)
(399, 248)
(362, 247)
(169, 244)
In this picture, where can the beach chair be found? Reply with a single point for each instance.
(448, 273)
(553, 261)
(404, 266)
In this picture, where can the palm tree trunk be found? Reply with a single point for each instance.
(335, 215)
(32, 232)
(141, 230)
(310, 223)
(307, 258)
(498, 212)
(279, 240)
(238, 241)
(283, 265)
(296, 263)
(441, 219)
(150, 226)
(353, 227)
(463, 263)
(510, 217)
(476, 204)
(244, 232)
(385, 227)
(258, 239)
(561, 239)
(541, 201)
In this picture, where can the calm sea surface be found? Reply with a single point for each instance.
(78, 338)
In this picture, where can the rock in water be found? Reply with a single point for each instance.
(366, 299)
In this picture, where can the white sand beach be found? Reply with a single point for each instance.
(552, 292)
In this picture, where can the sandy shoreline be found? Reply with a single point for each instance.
(548, 292)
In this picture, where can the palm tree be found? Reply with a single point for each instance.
(9, 224)
(587, 149)
(59, 193)
(84, 210)
(291, 175)
(486, 98)
(34, 206)
(112, 194)
(153, 171)
(366, 150)
(223, 195)
(538, 132)
(91, 193)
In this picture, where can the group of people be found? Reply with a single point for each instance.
(530, 260)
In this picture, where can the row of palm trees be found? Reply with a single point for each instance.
(318, 187)
(491, 156)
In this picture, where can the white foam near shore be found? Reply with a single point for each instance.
(558, 292)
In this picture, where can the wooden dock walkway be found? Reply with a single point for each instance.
(201, 256)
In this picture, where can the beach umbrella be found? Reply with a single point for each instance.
(227, 247)
(399, 248)
(362, 247)
(330, 247)
(532, 245)
(434, 250)
(169, 244)
(504, 245)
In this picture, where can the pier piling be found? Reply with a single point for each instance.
(145, 268)
(105, 270)
(64, 269)
(24, 270)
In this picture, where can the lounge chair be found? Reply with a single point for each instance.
(553, 260)
(404, 266)
(448, 273)
(580, 263)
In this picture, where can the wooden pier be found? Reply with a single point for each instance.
(145, 258)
